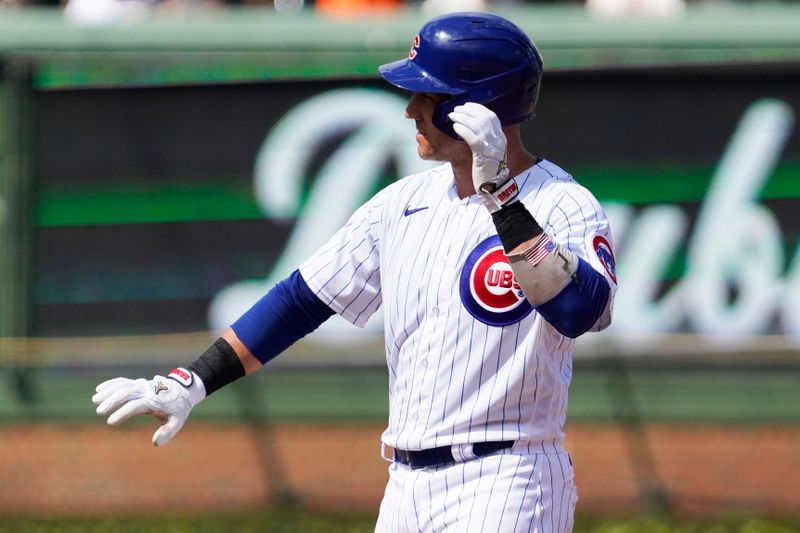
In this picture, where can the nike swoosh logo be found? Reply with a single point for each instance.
(410, 211)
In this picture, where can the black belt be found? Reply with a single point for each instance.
(443, 455)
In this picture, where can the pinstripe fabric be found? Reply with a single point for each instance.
(453, 377)
(504, 493)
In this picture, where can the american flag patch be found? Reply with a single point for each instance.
(540, 249)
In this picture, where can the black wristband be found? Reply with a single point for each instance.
(218, 366)
(515, 225)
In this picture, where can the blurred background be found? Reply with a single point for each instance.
(163, 163)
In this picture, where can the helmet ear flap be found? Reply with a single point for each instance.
(440, 118)
(537, 88)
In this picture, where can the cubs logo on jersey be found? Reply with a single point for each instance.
(489, 291)
(606, 256)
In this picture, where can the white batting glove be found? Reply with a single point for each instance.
(169, 400)
(482, 131)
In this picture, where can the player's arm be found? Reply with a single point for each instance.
(565, 290)
(285, 314)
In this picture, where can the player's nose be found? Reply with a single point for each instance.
(412, 109)
(411, 113)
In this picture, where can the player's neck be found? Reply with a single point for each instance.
(462, 174)
(523, 162)
(518, 158)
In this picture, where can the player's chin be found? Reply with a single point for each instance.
(426, 152)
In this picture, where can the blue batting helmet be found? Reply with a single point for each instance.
(473, 57)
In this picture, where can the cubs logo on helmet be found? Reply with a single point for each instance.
(489, 291)
(606, 256)
(414, 45)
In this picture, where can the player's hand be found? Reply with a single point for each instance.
(482, 131)
(165, 398)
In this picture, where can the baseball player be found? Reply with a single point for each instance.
(488, 267)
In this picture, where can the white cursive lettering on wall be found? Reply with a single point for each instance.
(732, 285)
(737, 243)
(735, 250)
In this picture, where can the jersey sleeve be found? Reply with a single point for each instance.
(578, 222)
(345, 272)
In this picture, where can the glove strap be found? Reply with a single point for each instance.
(191, 381)
(182, 376)
(502, 196)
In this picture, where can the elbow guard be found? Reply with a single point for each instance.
(543, 270)
(565, 290)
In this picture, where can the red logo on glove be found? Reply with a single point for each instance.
(510, 191)
(181, 375)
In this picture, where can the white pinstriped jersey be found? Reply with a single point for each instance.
(469, 359)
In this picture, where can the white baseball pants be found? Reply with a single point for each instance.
(505, 492)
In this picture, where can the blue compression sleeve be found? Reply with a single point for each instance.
(285, 314)
(575, 309)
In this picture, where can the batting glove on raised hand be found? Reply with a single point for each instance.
(482, 131)
(169, 400)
